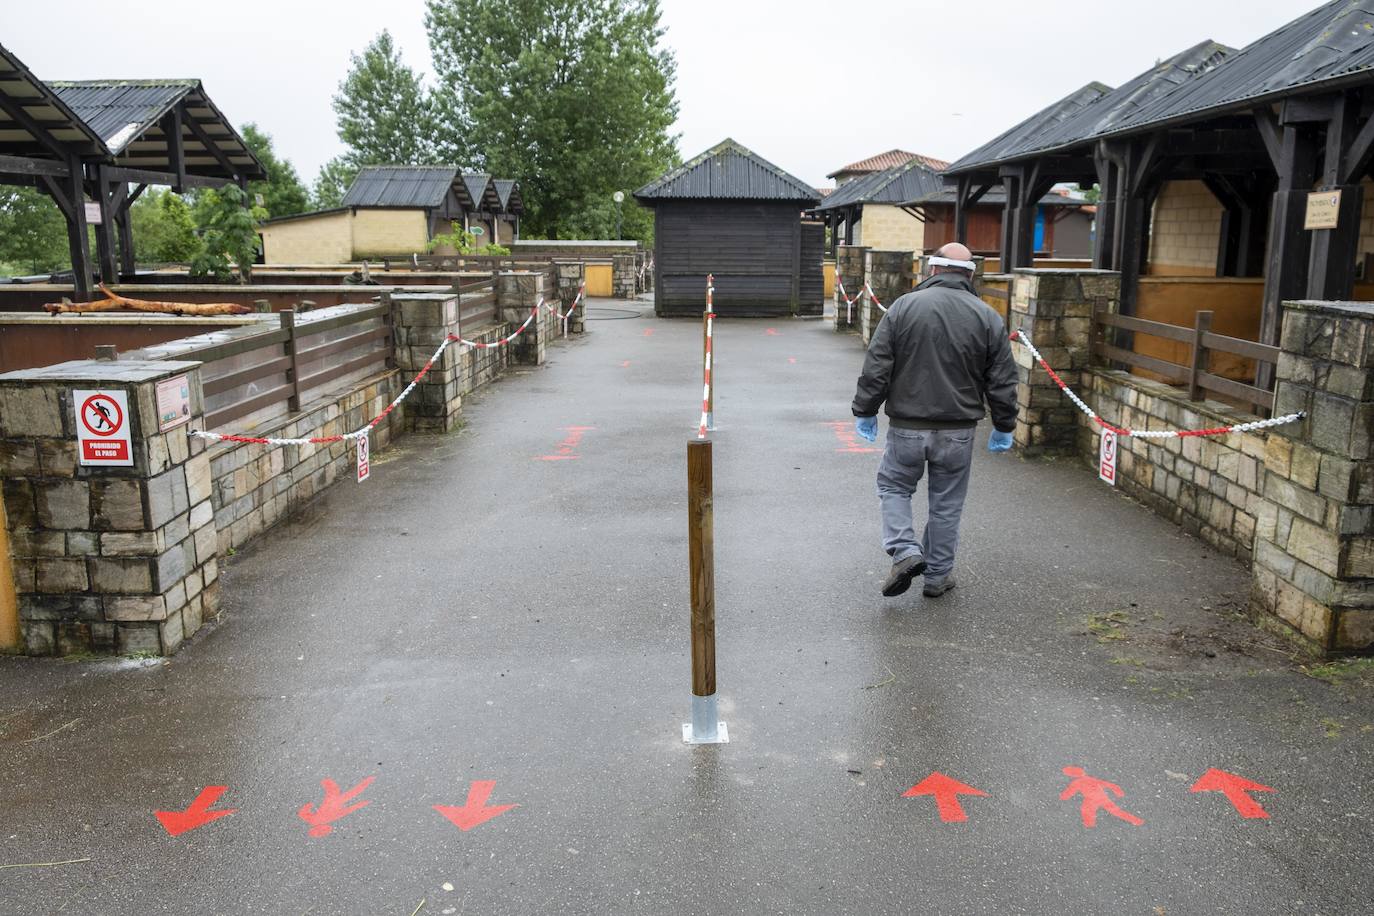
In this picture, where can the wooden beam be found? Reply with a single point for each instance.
(1359, 154)
(209, 143)
(1268, 126)
(176, 153)
(39, 132)
(20, 165)
(167, 179)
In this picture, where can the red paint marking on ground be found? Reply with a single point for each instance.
(197, 814)
(946, 792)
(1236, 789)
(771, 332)
(476, 811)
(792, 360)
(648, 332)
(334, 806)
(849, 439)
(1096, 797)
(625, 365)
(568, 446)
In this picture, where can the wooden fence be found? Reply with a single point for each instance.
(1196, 375)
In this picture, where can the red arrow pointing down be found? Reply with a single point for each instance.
(197, 815)
(476, 811)
(946, 792)
(1236, 789)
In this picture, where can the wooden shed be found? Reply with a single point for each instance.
(732, 214)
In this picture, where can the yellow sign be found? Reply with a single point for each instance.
(1323, 210)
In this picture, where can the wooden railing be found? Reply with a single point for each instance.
(283, 374)
(1196, 375)
(460, 262)
(476, 302)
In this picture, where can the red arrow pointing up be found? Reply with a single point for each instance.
(475, 812)
(1234, 788)
(197, 815)
(946, 792)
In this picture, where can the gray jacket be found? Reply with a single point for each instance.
(936, 355)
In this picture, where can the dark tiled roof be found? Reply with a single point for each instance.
(997, 197)
(53, 116)
(1333, 42)
(400, 186)
(505, 190)
(122, 111)
(482, 190)
(896, 185)
(728, 171)
(1006, 144)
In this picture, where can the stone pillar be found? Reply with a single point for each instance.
(889, 275)
(421, 322)
(107, 559)
(1314, 537)
(571, 275)
(1054, 307)
(849, 272)
(624, 276)
(517, 292)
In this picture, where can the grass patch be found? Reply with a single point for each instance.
(1353, 671)
(1109, 626)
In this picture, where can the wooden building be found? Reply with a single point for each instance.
(392, 210)
(729, 213)
(95, 145)
(1260, 130)
(1063, 228)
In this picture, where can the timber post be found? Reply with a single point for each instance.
(705, 727)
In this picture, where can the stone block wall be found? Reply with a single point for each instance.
(1314, 544)
(516, 294)
(256, 486)
(571, 277)
(850, 266)
(1211, 487)
(888, 274)
(1055, 308)
(625, 276)
(106, 559)
(1186, 230)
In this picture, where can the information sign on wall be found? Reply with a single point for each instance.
(1323, 210)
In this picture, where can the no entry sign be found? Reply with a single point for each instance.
(1106, 463)
(102, 428)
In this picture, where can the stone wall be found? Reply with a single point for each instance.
(625, 279)
(256, 486)
(850, 264)
(1208, 486)
(888, 274)
(1186, 230)
(889, 226)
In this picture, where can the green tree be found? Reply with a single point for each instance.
(283, 194)
(33, 232)
(574, 98)
(382, 108)
(164, 230)
(332, 182)
(229, 227)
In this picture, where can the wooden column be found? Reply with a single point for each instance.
(1331, 265)
(1293, 149)
(1104, 233)
(69, 193)
(105, 232)
(961, 195)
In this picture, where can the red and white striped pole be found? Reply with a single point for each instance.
(708, 396)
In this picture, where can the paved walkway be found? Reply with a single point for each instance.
(476, 624)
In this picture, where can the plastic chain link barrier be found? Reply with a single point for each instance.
(1020, 336)
(363, 432)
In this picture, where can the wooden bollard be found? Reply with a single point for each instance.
(705, 727)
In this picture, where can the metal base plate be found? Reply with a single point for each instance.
(722, 734)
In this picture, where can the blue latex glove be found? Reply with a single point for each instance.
(867, 427)
(1000, 442)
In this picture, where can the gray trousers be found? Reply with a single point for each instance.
(948, 456)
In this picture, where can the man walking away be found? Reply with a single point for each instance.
(937, 355)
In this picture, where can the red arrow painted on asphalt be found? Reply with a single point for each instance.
(197, 815)
(771, 332)
(946, 792)
(1236, 789)
(476, 811)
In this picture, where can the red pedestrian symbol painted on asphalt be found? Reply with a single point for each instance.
(335, 806)
(569, 445)
(197, 814)
(476, 812)
(848, 438)
(1236, 789)
(1095, 797)
(946, 792)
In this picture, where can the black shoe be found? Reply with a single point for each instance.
(939, 587)
(903, 571)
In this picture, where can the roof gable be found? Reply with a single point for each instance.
(887, 160)
(1006, 144)
(728, 171)
(895, 185)
(53, 121)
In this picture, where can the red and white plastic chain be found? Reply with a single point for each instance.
(360, 433)
(1021, 338)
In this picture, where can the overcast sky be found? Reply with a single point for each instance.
(809, 85)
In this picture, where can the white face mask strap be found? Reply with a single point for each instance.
(937, 261)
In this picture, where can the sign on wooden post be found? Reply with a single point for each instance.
(1323, 210)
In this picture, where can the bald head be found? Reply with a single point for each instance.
(955, 252)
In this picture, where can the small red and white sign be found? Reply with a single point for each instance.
(102, 428)
(1106, 457)
(364, 458)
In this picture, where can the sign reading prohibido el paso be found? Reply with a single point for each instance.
(102, 428)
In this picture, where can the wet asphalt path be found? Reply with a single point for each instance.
(474, 614)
